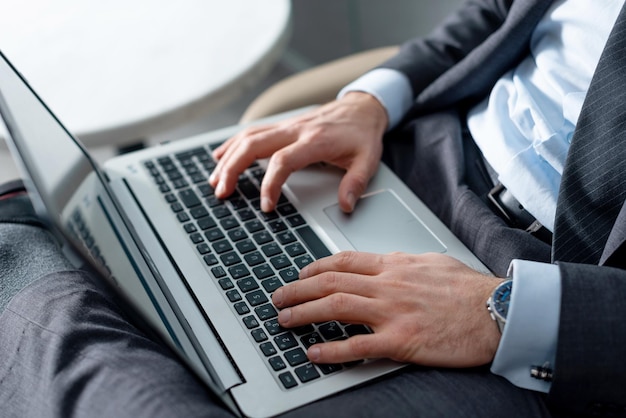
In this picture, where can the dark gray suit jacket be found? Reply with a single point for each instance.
(456, 66)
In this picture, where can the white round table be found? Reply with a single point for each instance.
(119, 71)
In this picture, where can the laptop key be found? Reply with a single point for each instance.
(245, 246)
(289, 274)
(196, 238)
(189, 198)
(280, 261)
(277, 363)
(307, 373)
(206, 223)
(199, 212)
(296, 357)
(285, 341)
(221, 211)
(247, 284)
(296, 220)
(329, 368)
(313, 243)
(287, 209)
(262, 237)
(233, 295)
(198, 178)
(246, 215)
(248, 189)
(180, 183)
(210, 259)
(303, 261)
(331, 330)
(237, 234)
(250, 322)
(203, 248)
(270, 285)
(213, 234)
(226, 284)
(285, 237)
(259, 335)
(268, 349)
(266, 312)
(230, 258)
(311, 339)
(287, 380)
(254, 258)
(254, 226)
(273, 327)
(268, 216)
(229, 223)
(263, 271)
(277, 226)
(295, 249)
(271, 249)
(256, 298)
(206, 190)
(218, 271)
(241, 308)
(221, 247)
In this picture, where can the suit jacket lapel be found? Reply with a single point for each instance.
(476, 74)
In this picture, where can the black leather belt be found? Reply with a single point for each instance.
(511, 210)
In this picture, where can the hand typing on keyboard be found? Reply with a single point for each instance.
(346, 133)
(426, 309)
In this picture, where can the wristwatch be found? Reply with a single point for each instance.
(498, 303)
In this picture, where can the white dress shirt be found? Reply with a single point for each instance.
(524, 128)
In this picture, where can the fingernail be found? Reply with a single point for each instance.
(314, 354)
(284, 316)
(212, 177)
(266, 204)
(220, 188)
(277, 298)
(351, 199)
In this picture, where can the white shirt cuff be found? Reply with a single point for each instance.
(532, 325)
(390, 87)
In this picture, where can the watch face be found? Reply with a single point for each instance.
(502, 297)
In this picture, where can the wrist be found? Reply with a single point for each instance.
(376, 112)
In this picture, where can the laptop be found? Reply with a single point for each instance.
(199, 271)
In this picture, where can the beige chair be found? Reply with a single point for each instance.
(315, 86)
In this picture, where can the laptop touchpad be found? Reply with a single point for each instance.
(381, 223)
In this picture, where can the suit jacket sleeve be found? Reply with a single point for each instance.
(590, 368)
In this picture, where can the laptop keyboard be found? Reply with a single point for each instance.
(250, 254)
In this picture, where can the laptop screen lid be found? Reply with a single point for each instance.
(70, 194)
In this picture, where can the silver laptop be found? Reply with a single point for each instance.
(200, 271)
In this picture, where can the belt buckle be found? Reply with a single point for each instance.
(493, 197)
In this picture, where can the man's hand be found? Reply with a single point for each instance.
(346, 133)
(426, 309)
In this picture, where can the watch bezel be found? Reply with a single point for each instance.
(495, 303)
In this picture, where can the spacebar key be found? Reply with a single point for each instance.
(313, 243)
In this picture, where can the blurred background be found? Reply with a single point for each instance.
(321, 30)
